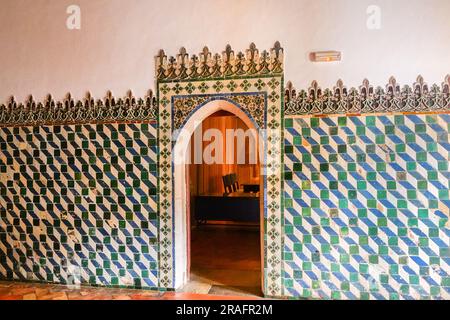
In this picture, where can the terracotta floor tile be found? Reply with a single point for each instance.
(46, 293)
(11, 297)
(73, 296)
(5, 291)
(30, 296)
(104, 297)
(121, 297)
(41, 292)
(142, 297)
(22, 291)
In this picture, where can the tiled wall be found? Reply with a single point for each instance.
(79, 199)
(367, 207)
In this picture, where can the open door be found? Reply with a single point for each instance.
(225, 238)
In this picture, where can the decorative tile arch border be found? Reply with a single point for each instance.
(251, 81)
(185, 106)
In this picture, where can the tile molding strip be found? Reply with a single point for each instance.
(206, 66)
(368, 100)
(420, 98)
(69, 111)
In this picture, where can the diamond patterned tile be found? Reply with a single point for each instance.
(366, 207)
(79, 202)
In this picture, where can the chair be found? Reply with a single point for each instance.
(234, 182)
(227, 185)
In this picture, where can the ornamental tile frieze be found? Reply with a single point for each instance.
(88, 110)
(205, 65)
(420, 97)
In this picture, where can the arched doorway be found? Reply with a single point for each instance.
(189, 89)
(181, 154)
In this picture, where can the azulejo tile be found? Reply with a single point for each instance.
(375, 231)
(79, 202)
(250, 95)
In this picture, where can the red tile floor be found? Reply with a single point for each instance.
(33, 291)
(225, 266)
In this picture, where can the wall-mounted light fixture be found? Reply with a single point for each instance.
(325, 56)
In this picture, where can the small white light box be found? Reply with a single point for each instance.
(325, 56)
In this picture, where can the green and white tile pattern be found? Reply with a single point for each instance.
(367, 207)
(79, 201)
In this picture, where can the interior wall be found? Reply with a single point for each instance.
(115, 46)
(207, 178)
(395, 245)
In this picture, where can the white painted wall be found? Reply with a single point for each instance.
(118, 39)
